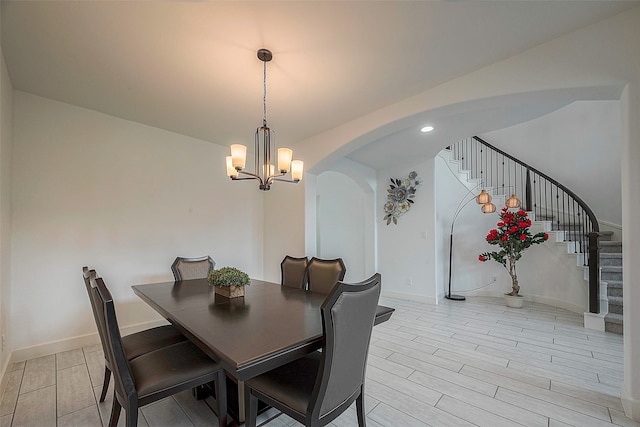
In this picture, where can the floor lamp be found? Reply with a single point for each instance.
(483, 199)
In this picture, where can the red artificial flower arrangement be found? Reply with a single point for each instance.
(513, 237)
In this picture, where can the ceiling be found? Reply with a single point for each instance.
(191, 67)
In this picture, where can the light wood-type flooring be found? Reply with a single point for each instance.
(469, 363)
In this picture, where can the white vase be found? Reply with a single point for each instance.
(513, 301)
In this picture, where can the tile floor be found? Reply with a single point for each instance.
(471, 363)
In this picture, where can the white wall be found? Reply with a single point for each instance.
(366, 179)
(6, 137)
(406, 252)
(124, 198)
(284, 219)
(578, 145)
(341, 230)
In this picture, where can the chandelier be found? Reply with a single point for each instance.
(265, 171)
(484, 199)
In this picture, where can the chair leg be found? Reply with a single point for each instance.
(115, 412)
(251, 408)
(105, 383)
(132, 417)
(198, 392)
(362, 418)
(221, 397)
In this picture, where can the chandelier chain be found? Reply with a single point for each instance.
(264, 96)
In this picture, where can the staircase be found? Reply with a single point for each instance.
(611, 275)
(564, 213)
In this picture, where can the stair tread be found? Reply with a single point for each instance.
(611, 243)
(615, 268)
(615, 300)
(611, 255)
(614, 283)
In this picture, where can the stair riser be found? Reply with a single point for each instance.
(613, 327)
(614, 292)
(610, 249)
(611, 262)
(610, 275)
(615, 308)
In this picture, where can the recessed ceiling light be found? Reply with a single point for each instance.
(426, 129)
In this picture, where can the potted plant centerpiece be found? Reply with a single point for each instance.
(229, 281)
(513, 237)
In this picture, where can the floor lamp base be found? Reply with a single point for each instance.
(455, 297)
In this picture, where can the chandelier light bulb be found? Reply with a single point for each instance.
(238, 156)
(284, 159)
(297, 167)
(231, 171)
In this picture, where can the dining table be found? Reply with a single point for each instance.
(268, 327)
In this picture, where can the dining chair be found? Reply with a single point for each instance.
(294, 272)
(192, 268)
(323, 274)
(157, 374)
(317, 388)
(135, 344)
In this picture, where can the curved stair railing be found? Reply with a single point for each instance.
(544, 196)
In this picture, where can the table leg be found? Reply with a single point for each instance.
(235, 400)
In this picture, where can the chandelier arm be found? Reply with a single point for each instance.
(241, 179)
(290, 181)
(251, 176)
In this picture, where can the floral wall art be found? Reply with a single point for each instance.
(400, 197)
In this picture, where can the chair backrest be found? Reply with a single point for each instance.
(124, 383)
(348, 314)
(192, 268)
(323, 274)
(89, 278)
(294, 272)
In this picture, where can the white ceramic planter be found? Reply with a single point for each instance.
(513, 301)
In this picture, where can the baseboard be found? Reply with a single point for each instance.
(631, 406)
(533, 298)
(558, 303)
(410, 297)
(611, 224)
(3, 379)
(72, 343)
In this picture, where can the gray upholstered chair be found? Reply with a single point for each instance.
(155, 375)
(135, 344)
(294, 272)
(192, 268)
(317, 388)
(323, 274)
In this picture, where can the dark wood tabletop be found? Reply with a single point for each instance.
(268, 327)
